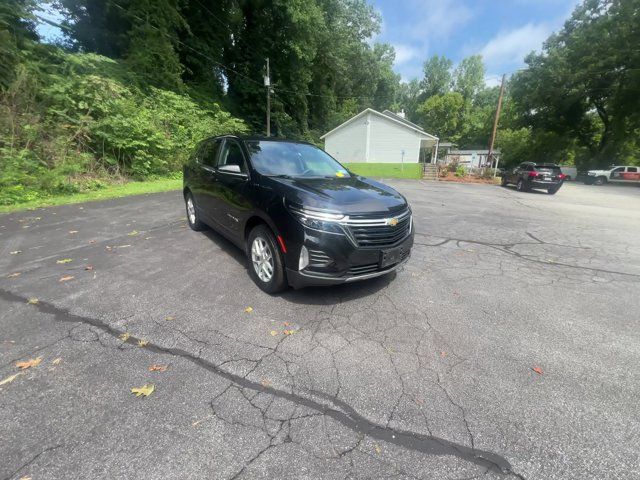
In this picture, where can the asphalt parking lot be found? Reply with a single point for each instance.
(428, 373)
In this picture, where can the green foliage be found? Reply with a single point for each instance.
(460, 171)
(445, 115)
(78, 121)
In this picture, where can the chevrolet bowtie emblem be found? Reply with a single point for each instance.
(392, 221)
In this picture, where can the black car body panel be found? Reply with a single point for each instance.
(361, 246)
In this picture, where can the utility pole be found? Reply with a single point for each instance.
(267, 83)
(495, 125)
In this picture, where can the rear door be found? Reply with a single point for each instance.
(233, 204)
(632, 174)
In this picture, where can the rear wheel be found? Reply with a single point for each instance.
(553, 190)
(503, 182)
(266, 265)
(192, 215)
(521, 186)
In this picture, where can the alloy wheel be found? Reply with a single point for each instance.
(191, 211)
(262, 259)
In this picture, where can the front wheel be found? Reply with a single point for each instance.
(266, 265)
(600, 181)
(503, 182)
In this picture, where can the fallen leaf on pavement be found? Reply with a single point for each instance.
(64, 260)
(66, 278)
(92, 241)
(265, 383)
(124, 246)
(274, 333)
(286, 324)
(32, 301)
(33, 362)
(10, 379)
(89, 267)
(14, 275)
(144, 391)
(73, 231)
(169, 318)
(16, 252)
(538, 370)
(158, 368)
(248, 309)
(289, 332)
(25, 478)
(133, 233)
(125, 336)
(378, 449)
(143, 343)
(57, 361)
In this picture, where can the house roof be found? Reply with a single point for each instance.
(471, 152)
(393, 118)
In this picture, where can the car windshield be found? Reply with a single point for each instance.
(553, 168)
(288, 159)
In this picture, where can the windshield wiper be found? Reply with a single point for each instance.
(281, 175)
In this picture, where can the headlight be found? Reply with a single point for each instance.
(316, 219)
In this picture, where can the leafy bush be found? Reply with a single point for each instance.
(74, 122)
(461, 171)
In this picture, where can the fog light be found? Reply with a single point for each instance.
(304, 258)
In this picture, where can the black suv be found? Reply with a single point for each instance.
(301, 217)
(528, 175)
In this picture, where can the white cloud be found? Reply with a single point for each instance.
(405, 53)
(512, 46)
(436, 18)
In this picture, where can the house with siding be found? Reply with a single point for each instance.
(375, 137)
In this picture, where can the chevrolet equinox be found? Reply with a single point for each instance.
(300, 216)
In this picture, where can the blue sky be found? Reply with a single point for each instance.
(502, 31)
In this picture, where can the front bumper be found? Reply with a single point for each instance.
(349, 263)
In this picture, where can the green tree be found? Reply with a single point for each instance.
(468, 78)
(437, 78)
(585, 84)
(444, 115)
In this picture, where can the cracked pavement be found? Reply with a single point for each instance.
(423, 374)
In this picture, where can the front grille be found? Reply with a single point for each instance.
(381, 235)
(363, 269)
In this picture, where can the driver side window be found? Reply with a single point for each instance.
(232, 155)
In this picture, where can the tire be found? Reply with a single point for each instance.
(192, 216)
(600, 181)
(553, 190)
(262, 243)
(503, 182)
(521, 186)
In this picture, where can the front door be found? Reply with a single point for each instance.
(233, 204)
(617, 174)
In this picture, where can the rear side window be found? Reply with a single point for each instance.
(232, 155)
(209, 152)
(632, 169)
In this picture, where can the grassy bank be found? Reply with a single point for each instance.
(386, 170)
(110, 191)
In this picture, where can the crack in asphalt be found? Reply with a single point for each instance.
(336, 409)
(30, 461)
(508, 248)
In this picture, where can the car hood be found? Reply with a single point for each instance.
(348, 195)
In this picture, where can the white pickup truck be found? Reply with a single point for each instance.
(614, 174)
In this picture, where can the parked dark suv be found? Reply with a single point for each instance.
(301, 217)
(528, 175)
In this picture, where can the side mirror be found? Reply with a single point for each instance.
(230, 169)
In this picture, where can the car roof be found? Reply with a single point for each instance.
(261, 138)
